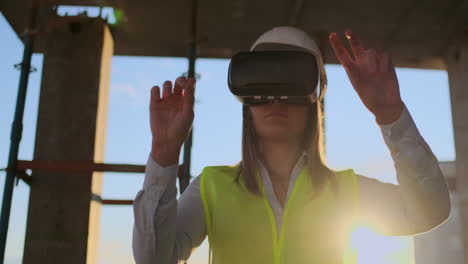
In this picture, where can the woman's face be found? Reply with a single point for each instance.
(279, 121)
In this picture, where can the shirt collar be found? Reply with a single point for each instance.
(300, 163)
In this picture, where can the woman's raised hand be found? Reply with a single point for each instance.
(171, 118)
(372, 75)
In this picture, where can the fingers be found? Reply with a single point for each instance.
(356, 45)
(155, 93)
(189, 92)
(182, 86)
(179, 85)
(167, 89)
(340, 51)
(155, 98)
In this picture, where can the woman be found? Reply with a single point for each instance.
(281, 203)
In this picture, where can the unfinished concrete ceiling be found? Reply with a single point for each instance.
(417, 33)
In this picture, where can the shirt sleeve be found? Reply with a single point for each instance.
(421, 200)
(165, 229)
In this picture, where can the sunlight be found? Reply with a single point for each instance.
(368, 247)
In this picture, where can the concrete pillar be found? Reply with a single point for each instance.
(457, 66)
(63, 222)
(443, 244)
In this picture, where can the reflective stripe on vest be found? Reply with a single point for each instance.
(242, 228)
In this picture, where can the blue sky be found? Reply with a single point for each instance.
(353, 138)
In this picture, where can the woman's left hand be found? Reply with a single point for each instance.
(373, 76)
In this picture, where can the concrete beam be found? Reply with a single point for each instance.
(63, 222)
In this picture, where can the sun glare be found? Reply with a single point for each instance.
(367, 247)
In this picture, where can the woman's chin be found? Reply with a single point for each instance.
(278, 134)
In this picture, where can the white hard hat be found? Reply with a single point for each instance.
(290, 36)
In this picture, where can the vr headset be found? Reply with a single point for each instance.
(288, 76)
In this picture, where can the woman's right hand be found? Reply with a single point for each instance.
(171, 118)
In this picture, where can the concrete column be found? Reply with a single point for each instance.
(457, 66)
(63, 222)
(442, 245)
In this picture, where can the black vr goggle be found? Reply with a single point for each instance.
(289, 76)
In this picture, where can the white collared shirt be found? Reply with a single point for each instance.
(166, 229)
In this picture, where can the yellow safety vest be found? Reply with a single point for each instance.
(242, 228)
